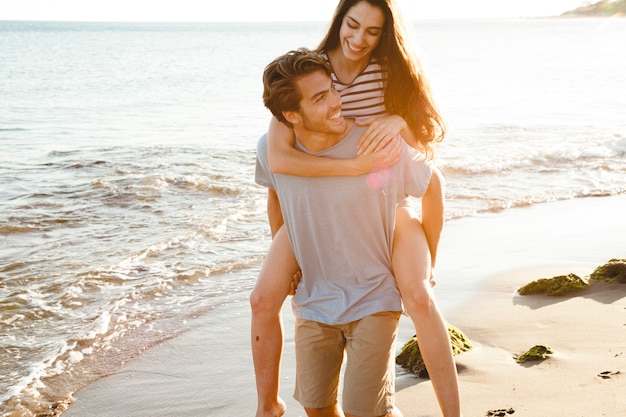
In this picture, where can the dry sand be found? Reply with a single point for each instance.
(483, 260)
(587, 333)
(586, 330)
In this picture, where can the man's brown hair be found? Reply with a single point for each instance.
(280, 91)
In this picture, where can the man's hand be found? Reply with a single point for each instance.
(294, 282)
(432, 280)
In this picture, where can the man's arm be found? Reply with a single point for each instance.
(275, 216)
(433, 212)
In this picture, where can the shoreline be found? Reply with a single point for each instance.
(482, 260)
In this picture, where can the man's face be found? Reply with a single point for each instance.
(320, 107)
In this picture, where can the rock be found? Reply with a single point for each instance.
(535, 353)
(613, 271)
(410, 357)
(559, 285)
(608, 374)
(500, 413)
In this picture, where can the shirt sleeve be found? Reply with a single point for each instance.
(262, 174)
(417, 172)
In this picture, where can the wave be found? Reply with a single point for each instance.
(14, 230)
(610, 154)
(13, 129)
(33, 224)
(461, 210)
(206, 183)
(93, 340)
(149, 299)
(63, 154)
(80, 165)
(619, 147)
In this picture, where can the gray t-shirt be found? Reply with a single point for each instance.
(341, 231)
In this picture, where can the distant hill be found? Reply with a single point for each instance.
(603, 8)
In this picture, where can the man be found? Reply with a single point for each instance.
(341, 230)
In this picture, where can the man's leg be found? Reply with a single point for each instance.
(411, 266)
(369, 387)
(319, 355)
(332, 411)
(266, 302)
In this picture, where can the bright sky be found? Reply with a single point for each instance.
(263, 10)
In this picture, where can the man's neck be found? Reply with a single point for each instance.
(315, 142)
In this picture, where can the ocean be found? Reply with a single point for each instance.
(128, 205)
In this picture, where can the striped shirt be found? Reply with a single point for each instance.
(365, 96)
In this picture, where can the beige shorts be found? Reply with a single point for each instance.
(369, 380)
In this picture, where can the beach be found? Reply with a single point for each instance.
(483, 260)
(132, 231)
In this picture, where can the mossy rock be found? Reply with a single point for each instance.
(613, 271)
(410, 357)
(559, 285)
(535, 353)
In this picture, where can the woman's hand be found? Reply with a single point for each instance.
(384, 157)
(380, 131)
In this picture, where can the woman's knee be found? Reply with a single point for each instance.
(264, 302)
(418, 300)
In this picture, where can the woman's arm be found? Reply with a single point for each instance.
(284, 158)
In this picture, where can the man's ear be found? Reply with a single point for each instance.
(292, 117)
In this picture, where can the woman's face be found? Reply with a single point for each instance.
(361, 30)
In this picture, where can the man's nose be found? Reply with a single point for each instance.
(336, 99)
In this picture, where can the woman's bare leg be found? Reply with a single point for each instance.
(412, 269)
(266, 301)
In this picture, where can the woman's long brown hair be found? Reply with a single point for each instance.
(407, 91)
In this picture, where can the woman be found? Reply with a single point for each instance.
(382, 86)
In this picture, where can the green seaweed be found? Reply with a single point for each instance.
(558, 285)
(535, 353)
(410, 357)
(613, 271)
